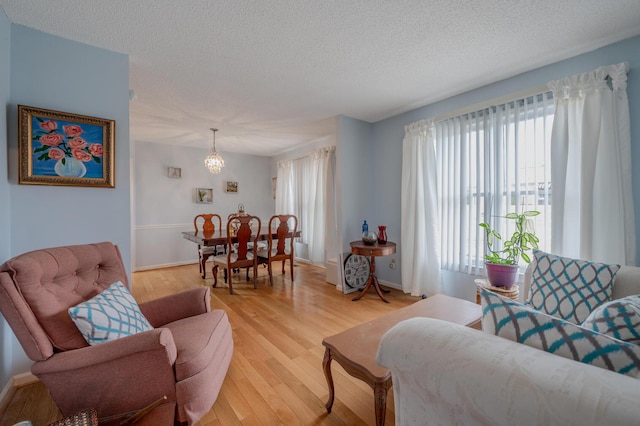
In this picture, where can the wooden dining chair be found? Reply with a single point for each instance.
(203, 223)
(261, 245)
(281, 247)
(241, 230)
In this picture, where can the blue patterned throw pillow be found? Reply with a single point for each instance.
(569, 288)
(515, 321)
(109, 315)
(619, 318)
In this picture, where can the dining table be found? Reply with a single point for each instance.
(219, 238)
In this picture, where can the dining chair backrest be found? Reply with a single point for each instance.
(203, 223)
(244, 229)
(207, 227)
(285, 227)
(282, 229)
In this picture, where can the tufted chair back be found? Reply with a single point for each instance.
(38, 287)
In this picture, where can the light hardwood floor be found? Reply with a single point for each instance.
(275, 376)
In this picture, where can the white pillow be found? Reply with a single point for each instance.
(570, 288)
(109, 315)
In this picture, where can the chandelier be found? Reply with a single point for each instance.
(214, 161)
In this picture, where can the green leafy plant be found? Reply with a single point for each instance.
(522, 240)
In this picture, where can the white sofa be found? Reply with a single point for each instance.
(447, 374)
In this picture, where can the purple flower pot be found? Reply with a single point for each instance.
(501, 275)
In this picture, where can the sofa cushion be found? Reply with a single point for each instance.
(109, 315)
(515, 321)
(618, 318)
(200, 340)
(569, 288)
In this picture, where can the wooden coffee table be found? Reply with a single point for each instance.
(355, 349)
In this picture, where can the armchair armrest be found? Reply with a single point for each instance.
(84, 377)
(174, 307)
(451, 374)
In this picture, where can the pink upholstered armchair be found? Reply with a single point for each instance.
(185, 357)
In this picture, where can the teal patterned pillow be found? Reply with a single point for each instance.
(515, 321)
(109, 315)
(619, 318)
(569, 288)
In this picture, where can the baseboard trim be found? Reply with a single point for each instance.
(15, 382)
(166, 265)
(390, 284)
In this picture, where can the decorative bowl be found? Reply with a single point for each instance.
(369, 238)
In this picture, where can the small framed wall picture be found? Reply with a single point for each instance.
(231, 187)
(175, 172)
(204, 195)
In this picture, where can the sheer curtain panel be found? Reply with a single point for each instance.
(292, 194)
(305, 187)
(492, 162)
(284, 188)
(420, 227)
(321, 212)
(593, 214)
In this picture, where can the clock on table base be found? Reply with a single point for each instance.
(356, 272)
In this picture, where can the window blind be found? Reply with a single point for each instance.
(491, 162)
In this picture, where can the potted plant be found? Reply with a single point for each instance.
(502, 265)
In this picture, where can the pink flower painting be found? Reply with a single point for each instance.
(67, 144)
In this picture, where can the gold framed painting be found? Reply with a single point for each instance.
(60, 148)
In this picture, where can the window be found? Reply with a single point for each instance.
(492, 162)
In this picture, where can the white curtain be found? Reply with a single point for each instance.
(593, 214)
(284, 188)
(321, 211)
(305, 187)
(292, 191)
(420, 226)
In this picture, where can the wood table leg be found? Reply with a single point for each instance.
(372, 281)
(380, 395)
(364, 290)
(379, 290)
(203, 262)
(326, 365)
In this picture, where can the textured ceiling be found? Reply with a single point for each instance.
(271, 74)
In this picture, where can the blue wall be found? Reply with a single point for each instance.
(7, 339)
(355, 175)
(165, 207)
(55, 73)
(46, 71)
(387, 135)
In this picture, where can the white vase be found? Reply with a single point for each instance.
(69, 166)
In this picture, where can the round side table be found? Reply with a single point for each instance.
(358, 247)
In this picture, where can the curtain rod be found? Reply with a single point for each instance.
(543, 88)
(329, 148)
